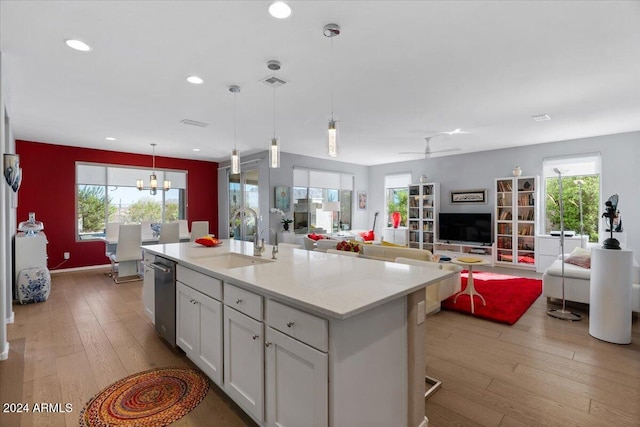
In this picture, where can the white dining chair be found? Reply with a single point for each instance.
(147, 232)
(183, 229)
(169, 232)
(127, 255)
(199, 229)
(111, 236)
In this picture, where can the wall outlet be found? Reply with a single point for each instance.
(67, 255)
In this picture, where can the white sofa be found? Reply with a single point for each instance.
(577, 281)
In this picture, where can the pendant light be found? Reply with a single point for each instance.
(331, 31)
(274, 148)
(153, 179)
(235, 154)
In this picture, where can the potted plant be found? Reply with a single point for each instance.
(285, 223)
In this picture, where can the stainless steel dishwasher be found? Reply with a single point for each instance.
(165, 304)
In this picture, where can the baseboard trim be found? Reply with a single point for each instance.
(11, 318)
(5, 353)
(89, 267)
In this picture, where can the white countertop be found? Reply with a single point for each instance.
(330, 285)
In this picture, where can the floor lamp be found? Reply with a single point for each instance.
(580, 182)
(563, 313)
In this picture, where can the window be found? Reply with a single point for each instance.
(322, 201)
(107, 193)
(244, 192)
(396, 192)
(580, 194)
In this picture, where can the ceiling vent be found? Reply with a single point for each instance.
(273, 81)
(541, 117)
(194, 123)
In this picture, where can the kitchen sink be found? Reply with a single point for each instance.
(234, 260)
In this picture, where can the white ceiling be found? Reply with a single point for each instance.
(403, 70)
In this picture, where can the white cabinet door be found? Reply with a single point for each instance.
(187, 319)
(209, 355)
(297, 383)
(149, 287)
(244, 361)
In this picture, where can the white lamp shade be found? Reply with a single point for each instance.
(332, 135)
(274, 154)
(235, 161)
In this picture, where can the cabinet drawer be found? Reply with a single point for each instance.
(305, 327)
(208, 285)
(244, 301)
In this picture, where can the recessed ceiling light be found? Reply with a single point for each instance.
(110, 138)
(196, 149)
(541, 117)
(280, 10)
(78, 45)
(454, 132)
(195, 80)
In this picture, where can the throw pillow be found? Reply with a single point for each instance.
(580, 257)
(316, 237)
(367, 236)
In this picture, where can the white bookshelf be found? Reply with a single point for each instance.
(422, 215)
(515, 216)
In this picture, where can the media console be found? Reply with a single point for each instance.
(461, 249)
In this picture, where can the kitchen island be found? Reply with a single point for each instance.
(308, 339)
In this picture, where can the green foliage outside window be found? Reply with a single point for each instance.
(91, 201)
(145, 209)
(397, 201)
(571, 201)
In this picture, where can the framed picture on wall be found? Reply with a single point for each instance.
(283, 198)
(469, 196)
(362, 200)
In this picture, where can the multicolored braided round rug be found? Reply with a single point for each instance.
(156, 398)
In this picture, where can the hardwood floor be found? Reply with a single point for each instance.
(540, 371)
(87, 335)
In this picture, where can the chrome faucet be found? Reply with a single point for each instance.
(274, 250)
(257, 249)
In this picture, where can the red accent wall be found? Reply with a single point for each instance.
(48, 189)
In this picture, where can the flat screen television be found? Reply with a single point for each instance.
(465, 227)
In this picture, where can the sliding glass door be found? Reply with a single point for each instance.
(243, 193)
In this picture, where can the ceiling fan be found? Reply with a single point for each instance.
(427, 151)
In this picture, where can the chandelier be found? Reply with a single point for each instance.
(153, 179)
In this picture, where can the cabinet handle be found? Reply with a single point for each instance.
(267, 343)
(255, 337)
(238, 301)
(290, 324)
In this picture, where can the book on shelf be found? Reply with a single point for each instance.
(505, 215)
(504, 186)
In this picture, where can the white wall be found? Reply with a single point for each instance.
(620, 163)
(5, 260)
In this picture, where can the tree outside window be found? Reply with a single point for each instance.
(571, 202)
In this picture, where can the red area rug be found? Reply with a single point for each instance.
(507, 297)
(152, 398)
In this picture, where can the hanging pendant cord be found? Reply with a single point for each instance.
(235, 121)
(332, 77)
(274, 109)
